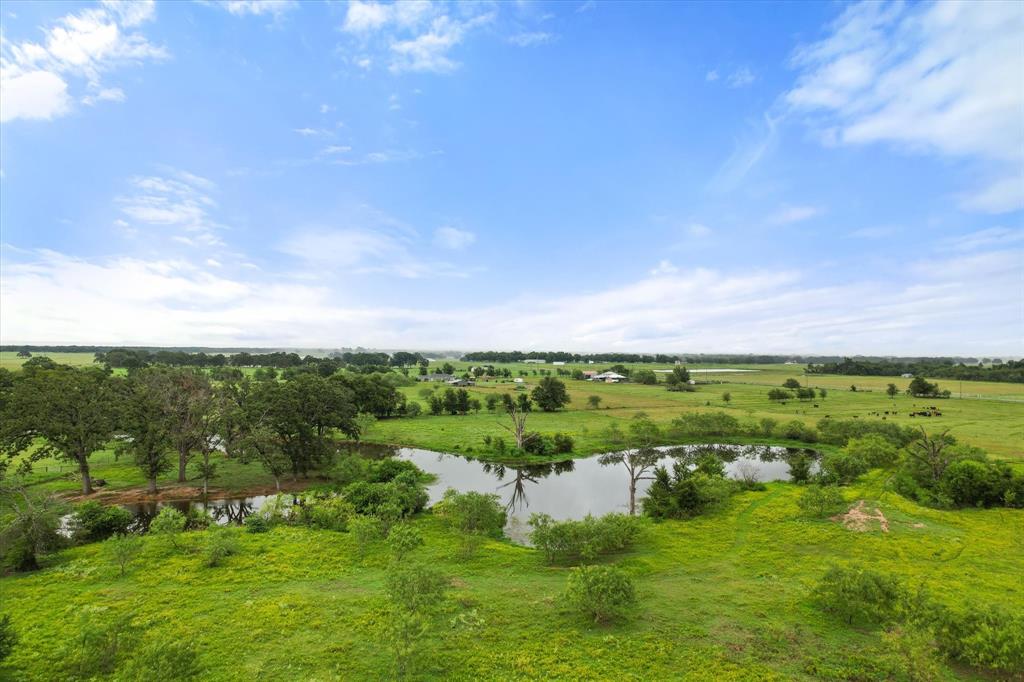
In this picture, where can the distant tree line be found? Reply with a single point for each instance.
(939, 368)
(134, 358)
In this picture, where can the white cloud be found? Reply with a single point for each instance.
(711, 76)
(33, 95)
(992, 237)
(412, 36)
(944, 78)
(179, 201)
(794, 214)
(34, 77)
(104, 95)
(452, 238)
(928, 307)
(259, 7)
(740, 78)
(874, 232)
(326, 108)
(531, 38)
(698, 230)
(664, 267)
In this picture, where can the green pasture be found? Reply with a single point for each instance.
(722, 597)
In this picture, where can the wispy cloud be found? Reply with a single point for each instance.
(531, 38)
(176, 200)
(992, 237)
(940, 78)
(794, 214)
(740, 78)
(412, 36)
(452, 238)
(36, 78)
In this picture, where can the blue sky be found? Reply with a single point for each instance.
(682, 177)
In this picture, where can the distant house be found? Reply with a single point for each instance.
(455, 381)
(535, 361)
(436, 377)
(589, 374)
(518, 380)
(558, 362)
(608, 377)
(907, 375)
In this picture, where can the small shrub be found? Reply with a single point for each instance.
(331, 512)
(585, 539)
(563, 443)
(220, 544)
(800, 465)
(123, 549)
(473, 512)
(365, 530)
(819, 501)
(8, 637)
(876, 450)
(684, 494)
(254, 523)
(99, 643)
(860, 594)
(604, 593)
(403, 540)
(93, 521)
(169, 523)
(197, 518)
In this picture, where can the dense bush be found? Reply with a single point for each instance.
(255, 523)
(388, 469)
(969, 483)
(840, 431)
(797, 430)
(326, 512)
(821, 500)
(841, 468)
(582, 540)
(603, 593)
(685, 493)
(93, 521)
(987, 637)
(876, 450)
(8, 637)
(704, 424)
(405, 494)
(861, 594)
(800, 464)
(472, 512)
(563, 443)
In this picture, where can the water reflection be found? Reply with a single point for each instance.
(564, 490)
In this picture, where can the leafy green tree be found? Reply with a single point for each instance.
(779, 395)
(604, 593)
(123, 549)
(93, 521)
(403, 539)
(188, 405)
(874, 449)
(60, 412)
(892, 391)
(144, 421)
(791, 383)
(168, 523)
(550, 394)
(594, 401)
(842, 468)
(727, 397)
(678, 379)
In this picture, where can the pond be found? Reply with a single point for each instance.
(565, 490)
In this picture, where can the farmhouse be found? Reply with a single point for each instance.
(608, 377)
(535, 361)
(455, 381)
(558, 362)
(907, 375)
(436, 377)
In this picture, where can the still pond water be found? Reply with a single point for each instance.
(565, 490)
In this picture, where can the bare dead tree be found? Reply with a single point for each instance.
(931, 452)
(518, 428)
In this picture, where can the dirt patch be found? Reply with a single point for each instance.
(860, 518)
(186, 492)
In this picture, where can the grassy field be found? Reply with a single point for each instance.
(724, 596)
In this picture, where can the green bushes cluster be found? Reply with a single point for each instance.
(821, 500)
(985, 636)
(535, 443)
(686, 493)
(404, 495)
(583, 540)
(93, 521)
